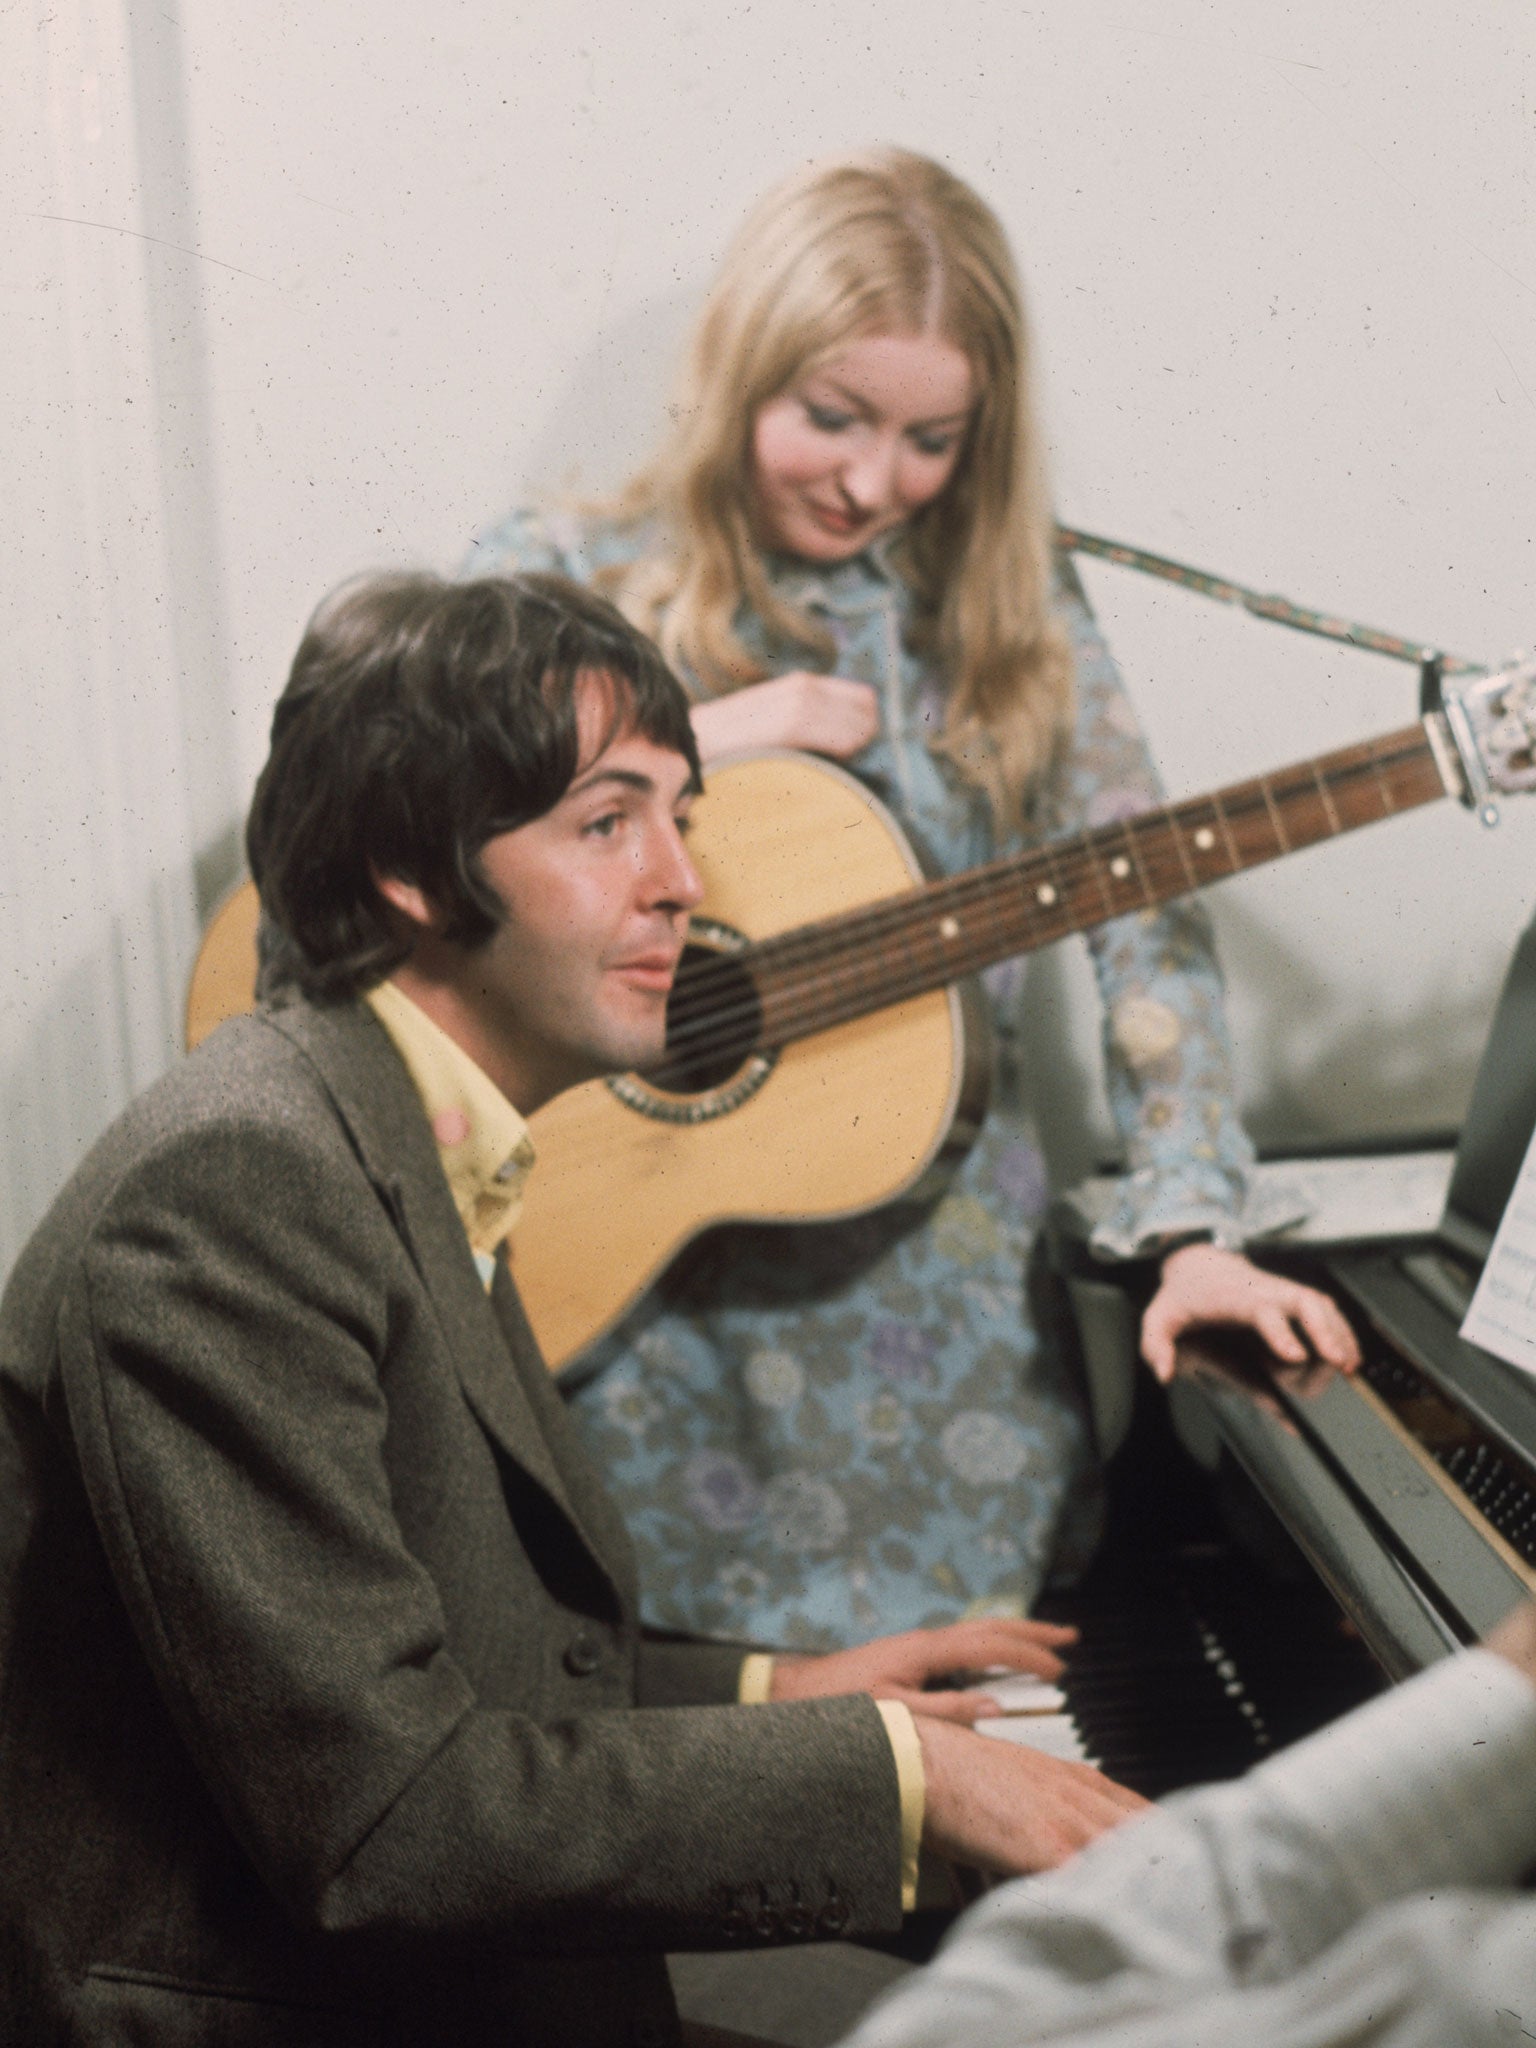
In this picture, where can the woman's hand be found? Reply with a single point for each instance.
(818, 714)
(898, 1667)
(1202, 1284)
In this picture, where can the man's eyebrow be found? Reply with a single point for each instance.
(628, 778)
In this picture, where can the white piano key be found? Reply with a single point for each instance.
(1020, 1692)
(1054, 1734)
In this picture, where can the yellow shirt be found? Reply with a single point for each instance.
(487, 1153)
(482, 1141)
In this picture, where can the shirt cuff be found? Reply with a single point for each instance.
(1432, 1784)
(912, 1784)
(754, 1688)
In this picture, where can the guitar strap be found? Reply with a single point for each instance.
(1263, 604)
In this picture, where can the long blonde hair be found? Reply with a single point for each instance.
(882, 242)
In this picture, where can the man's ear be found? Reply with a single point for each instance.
(413, 904)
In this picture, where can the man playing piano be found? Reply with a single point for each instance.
(324, 1714)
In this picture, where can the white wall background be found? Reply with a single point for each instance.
(287, 290)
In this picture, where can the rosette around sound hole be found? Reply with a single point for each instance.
(714, 1017)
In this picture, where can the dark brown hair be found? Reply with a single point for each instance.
(420, 719)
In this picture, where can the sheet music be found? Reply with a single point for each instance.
(1502, 1317)
(1349, 1198)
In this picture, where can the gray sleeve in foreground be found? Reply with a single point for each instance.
(1320, 1903)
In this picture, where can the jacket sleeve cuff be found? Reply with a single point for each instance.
(754, 1688)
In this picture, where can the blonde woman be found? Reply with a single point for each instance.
(844, 545)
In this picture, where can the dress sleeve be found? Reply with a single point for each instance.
(1167, 1054)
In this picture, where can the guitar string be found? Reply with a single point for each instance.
(839, 935)
(998, 932)
(793, 965)
(1005, 930)
(739, 1028)
(834, 936)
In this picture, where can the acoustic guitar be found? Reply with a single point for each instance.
(822, 1059)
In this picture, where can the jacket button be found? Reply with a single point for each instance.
(833, 1918)
(734, 1923)
(767, 1924)
(798, 1923)
(583, 1654)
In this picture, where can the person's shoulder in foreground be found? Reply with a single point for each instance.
(1355, 1892)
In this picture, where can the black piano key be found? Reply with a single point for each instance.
(1188, 1671)
(1494, 1477)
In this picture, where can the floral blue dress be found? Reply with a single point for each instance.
(822, 1433)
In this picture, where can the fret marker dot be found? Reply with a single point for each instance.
(949, 928)
(1119, 867)
(1046, 894)
(1205, 839)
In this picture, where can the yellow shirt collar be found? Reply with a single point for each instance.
(482, 1141)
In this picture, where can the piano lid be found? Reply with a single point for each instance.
(1500, 1116)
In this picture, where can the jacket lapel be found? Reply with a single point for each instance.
(608, 1537)
(377, 1104)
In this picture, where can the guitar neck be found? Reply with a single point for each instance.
(820, 975)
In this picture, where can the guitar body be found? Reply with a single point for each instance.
(830, 1126)
(223, 980)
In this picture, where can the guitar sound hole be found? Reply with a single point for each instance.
(713, 1021)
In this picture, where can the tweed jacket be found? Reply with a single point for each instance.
(324, 1713)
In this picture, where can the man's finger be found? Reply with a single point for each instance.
(996, 1638)
(987, 1641)
(964, 1707)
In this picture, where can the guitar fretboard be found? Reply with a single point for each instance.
(824, 974)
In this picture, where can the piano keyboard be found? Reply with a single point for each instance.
(1497, 1481)
(1189, 1672)
(1410, 1486)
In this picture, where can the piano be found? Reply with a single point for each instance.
(1271, 1565)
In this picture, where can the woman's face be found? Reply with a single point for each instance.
(855, 446)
